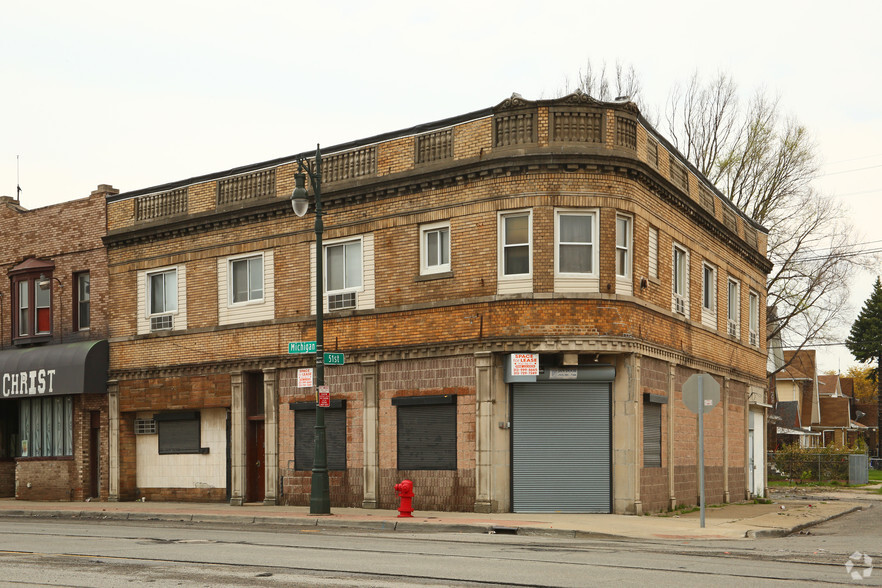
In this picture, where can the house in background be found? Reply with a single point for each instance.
(797, 404)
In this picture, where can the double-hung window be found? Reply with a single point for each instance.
(753, 325)
(343, 274)
(246, 279)
(709, 295)
(623, 246)
(680, 284)
(516, 244)
(733, 314)
(435, 248)
(515, 252)
(624, 254)
(32, 301)
(23, 305)
(576, 249)
(82, 301)
(162, 296)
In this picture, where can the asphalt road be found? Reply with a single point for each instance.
(104, 553)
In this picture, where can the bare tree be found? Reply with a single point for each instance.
(765, 164)
(603, 84)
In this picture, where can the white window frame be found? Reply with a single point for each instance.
(436, 266)
(591, 243)
(680, 280)
(231, 287)
(709, 295)
(625, 281)
(327, 267)
(627, 248)
(503, 216)
(733, 312)
(753, 318)
(148, 288)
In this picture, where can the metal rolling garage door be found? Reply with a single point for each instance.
(561, 452)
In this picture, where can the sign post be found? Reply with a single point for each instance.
(701, 393)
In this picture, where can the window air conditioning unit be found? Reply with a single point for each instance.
(733, 329)
(344, 301)
(754, 339)
(145, 427)
(163, 322)
(680, 305)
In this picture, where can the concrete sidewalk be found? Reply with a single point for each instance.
(732, 521)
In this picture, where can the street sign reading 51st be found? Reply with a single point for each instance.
(302, 347)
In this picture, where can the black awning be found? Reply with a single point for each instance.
(52, 370)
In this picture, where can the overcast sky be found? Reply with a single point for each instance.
(136, 95)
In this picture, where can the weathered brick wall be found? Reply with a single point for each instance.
(347, 487)
(7, 478)
(436, 490)
(68, 234)
(50, 478)
(654, 491)
(175, 393)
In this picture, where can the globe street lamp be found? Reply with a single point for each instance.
(319, 497)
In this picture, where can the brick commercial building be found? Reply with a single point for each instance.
(520, 294)
(53, 350)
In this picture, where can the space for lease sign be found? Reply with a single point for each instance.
(524, 364)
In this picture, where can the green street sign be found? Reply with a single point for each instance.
(302, 347)
(334, 359)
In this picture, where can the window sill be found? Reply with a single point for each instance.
(35, 340)
(435, 276)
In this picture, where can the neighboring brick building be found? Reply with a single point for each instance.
(53, 350)
(565, 235)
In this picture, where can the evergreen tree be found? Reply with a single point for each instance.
(865, 343)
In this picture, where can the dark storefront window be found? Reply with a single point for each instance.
(44, 427)
(304, 435)
(179, 432)
(426, 432)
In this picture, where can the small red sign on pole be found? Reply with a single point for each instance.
(324, 396)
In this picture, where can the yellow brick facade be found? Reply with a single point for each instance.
(452, 330)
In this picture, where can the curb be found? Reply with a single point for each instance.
(766, 533)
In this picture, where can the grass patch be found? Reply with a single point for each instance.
(875, 476)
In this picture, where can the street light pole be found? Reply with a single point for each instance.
(320, 496)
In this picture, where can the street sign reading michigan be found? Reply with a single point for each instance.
(302, 347)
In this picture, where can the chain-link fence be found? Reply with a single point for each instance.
(816, 467)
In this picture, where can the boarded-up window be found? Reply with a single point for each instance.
(652, 441)
(179, 432)
(304, 435)
(426, 432)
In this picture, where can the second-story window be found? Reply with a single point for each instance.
(709, 295)
(23, 304)
(516, 244)
(575, 243)
(343, 274)
(435, 248)
(82, 301)
(680, 284)
(753, 325)
(623, 246)
(162, 293)
(246, 283)
(734, 307)
(32, 303)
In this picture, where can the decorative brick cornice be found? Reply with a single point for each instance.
(531, 160)
(602, 345)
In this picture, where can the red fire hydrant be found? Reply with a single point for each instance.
(405, 492)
